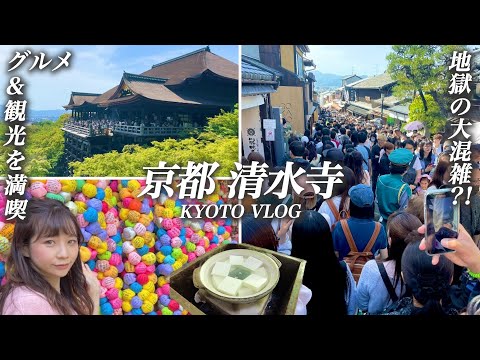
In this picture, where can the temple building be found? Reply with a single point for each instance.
(167, 101)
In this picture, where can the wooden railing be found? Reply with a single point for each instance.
(141, 130)
(137, 130)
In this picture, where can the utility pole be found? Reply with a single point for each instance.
(382, 95)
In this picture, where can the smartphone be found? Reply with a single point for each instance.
(441, 219)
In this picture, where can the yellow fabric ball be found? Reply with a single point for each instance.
(149, 258)
(138, 242)
(147, 307)
(161, 257)
(69, 185)
(167, 213)
(81, 207)
(183, 259)
(153, 278)
(85, 254)
(153, 298)
(161, 281)
(108, 192)
(7, 231)
(125, 193)
(158, 210)
(169, 204)
(133, 185)
(137, 192)
(89, 190)
(133, 216)
(102, 247)
(126, 306)
(128, 294)
(112, 272)
(149, 286)
(123, 214)
(118, 283)
(129, 267)
(143, 294)
(176, 265)
(94, 242)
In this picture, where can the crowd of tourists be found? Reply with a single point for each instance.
(377, 209)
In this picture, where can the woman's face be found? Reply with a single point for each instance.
(427, 148)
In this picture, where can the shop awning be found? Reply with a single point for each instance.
(357, 110)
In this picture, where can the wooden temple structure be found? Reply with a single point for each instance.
(165, 101)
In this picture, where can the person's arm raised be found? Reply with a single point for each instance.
(466, 253)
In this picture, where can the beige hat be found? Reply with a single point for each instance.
(381, 137)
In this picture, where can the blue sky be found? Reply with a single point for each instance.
(93, 68)
(351, 59)
(342, 59)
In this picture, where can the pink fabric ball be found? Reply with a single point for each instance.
(150, 269)
(127, 247)
(176, 242)
(37, 189)
(93, 254)
(177, 222)
(208, 227)
(117, 305)
(115, 259)
(112, 293)
(81, 221)
(102, 184)
(108, 282)
(111, 245)
(195, 238)
(140, 229)
(109, 217)
(191, 256)
(167, 224)
(134, 258)
(80, 197)
(199, 250)
(173, 232)
(102, 265)
(111, 230)
(165, 289)
(114, 185)
(53, 186)
(188, 233)
(141, 268)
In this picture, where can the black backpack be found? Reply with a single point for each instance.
(411, 174)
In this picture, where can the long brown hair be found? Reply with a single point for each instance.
(402, 228)
(46, 217)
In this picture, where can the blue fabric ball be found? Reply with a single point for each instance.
(136, 287)
(169, 260)
(106, 309)
(100, 194)
(166, 250)
(90, 215)
(143, 250)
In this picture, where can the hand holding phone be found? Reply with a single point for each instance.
(441, 219)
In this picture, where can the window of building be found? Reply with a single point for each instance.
(299, 66)
(252, 51)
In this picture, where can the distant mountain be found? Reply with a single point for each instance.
(331, 81)
(43, 115)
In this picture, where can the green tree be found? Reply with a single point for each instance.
(218, 143)
(433, 120)
(422, 70)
